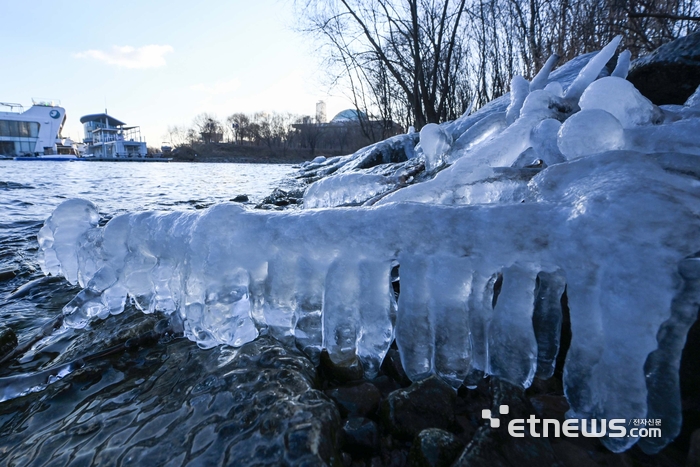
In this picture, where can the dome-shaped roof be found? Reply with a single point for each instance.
(348, 115)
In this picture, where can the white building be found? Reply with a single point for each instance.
(108, 138)
(34, 132)
(321, 112)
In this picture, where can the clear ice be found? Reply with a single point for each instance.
(558, 188)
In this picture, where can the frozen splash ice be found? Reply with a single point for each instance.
(229, 273)
(610, 226)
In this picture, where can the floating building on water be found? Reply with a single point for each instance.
(108, 138)
(34, 133)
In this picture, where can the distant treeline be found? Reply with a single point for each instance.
(282, 131)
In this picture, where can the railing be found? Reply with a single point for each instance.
(46, 102)
(13, 106)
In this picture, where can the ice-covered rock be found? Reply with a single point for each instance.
(590, 132)
(345, 189)
(393, 150)
(621, 99)
(694, 99)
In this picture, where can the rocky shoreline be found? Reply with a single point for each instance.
(268, 404)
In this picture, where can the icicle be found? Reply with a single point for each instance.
(590, 72)
(623, 65)
(449, 282)
(512, 322)
(519, 89)
(540, 80)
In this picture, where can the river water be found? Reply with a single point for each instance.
(29, 190)
(163, 401)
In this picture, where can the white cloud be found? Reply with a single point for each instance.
(148, 56)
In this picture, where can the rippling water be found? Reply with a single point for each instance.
(30, 190)
(162, 402)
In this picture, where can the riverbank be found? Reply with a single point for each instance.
(244, 154)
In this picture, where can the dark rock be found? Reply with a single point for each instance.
(495, 447)
(548, 406)
(139, 325)
(360, 400)
(671, 73)
(386, 385)
(340, 372)
(7, 274)
(394, 369)
(429, 403)
(361, 436)
(8, 341)
(434, 448)
(694, 452)
(240, 199)
(689, 375)
(282, 198)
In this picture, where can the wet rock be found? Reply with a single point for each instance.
(429, 403)
(340, 372)
(138, 325)
(385, 385)
(671, 73)
(8, 341)
(361, 437)
(7, 274)
(283, 198)
(359, 400)
(393, 368)
(240, 199)
(434, 448)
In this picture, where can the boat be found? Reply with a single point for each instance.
(110, 139)
(34, 134)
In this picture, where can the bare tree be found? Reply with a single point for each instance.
(239, 123)
(420, 61)
(209, 128)
(389, 49)
(176, 135)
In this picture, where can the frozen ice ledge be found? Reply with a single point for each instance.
(482, 252)
(618, 230)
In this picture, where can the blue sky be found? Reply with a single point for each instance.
(160, 63)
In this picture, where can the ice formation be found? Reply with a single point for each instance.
(434, 142)
(608, 210)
